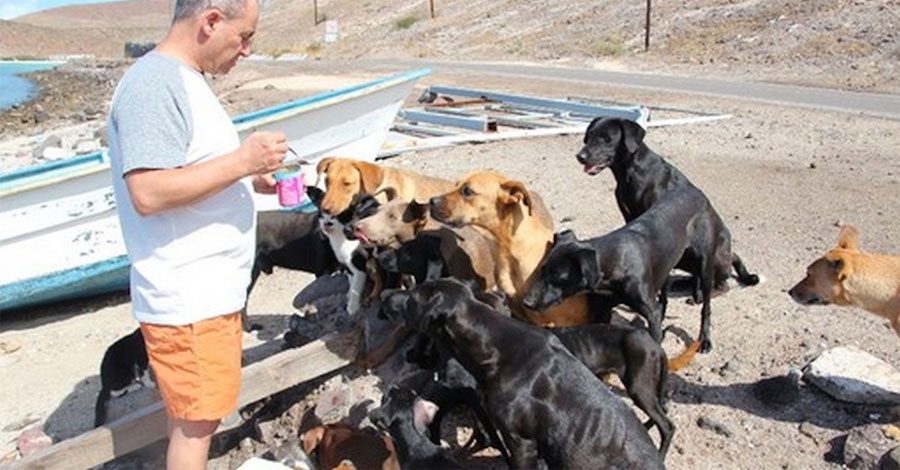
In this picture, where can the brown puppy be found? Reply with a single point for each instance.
(467, 251)
(849, 277)
(333, 444)
(345, 178)
(523, 229)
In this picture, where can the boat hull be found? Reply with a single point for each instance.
(59, 233)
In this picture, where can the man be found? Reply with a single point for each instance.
(180, 175)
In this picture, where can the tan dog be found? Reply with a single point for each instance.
(345, 178)
(523, 229)
(467, 251)
(849, 277)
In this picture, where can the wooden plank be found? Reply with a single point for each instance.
(148, 425)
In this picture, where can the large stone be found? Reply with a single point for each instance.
(854, 376)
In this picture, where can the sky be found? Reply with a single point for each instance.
(12, 8)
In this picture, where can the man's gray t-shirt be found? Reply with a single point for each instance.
(190, 263)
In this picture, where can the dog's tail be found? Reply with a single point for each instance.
(685, 357)
(743, 275)
(100, 407)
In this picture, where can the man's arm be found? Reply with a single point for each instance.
(157, 190)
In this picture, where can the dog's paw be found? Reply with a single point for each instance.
(705, 346)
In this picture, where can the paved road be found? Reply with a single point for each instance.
(872, 104)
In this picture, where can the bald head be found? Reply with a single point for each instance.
(185, 9)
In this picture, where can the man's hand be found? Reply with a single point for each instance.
(263, 152)
(264, 184)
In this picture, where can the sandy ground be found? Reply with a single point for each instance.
(782, 179)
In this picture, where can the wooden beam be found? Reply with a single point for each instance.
(148, 425)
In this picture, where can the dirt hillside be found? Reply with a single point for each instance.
(835, 43)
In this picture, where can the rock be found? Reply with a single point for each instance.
(807, 429)
(778, 391)
(55, 153)
(865, 446)
(9, 346)
(86, 146)
(291, 454)
(330, 402)
(40, 115)
(33, 440)
(855, 376)
(52, 140)
(322, 287)
(269, 87)
(707, 423)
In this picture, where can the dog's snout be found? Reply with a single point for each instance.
(582, 156)
(435, 202)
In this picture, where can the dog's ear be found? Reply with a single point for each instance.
(323, 165)
(590, 269)
(389, 192)
(516, 192)
(315, 195)
(312, 438)
(849, 238)
(415, 211)
(565, 236)
(632, 134)
(433, 312)
(838, 266)
(370, 175)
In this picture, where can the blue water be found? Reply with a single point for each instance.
(15, 89)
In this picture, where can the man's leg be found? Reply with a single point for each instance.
(189, 443)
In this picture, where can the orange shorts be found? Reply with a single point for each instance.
(197, 367)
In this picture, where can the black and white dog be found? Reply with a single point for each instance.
(125, 368)
(347, 250)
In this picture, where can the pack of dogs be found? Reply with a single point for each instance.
(513, 320)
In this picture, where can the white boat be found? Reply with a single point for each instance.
(59, 233)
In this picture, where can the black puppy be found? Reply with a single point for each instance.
(548, 406)
(405, 416)
(631, 354)
(124, 368)
(643, 178)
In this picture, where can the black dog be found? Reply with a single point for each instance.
(631, 264)
(124, 367)
(405, 415)
(291, 240)
(547, 405)
(420, 258)
(643, 178)
(631, 354)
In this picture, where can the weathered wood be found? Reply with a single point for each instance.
(148, 425)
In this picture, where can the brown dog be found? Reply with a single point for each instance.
(849, 277)
(345, 178)
(468, 251)
(523, 229)
(335, 445)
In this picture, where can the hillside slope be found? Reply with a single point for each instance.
(851, 44)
